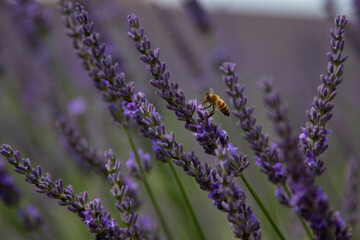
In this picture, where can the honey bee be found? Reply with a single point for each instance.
(214, 101)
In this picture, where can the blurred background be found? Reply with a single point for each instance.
(287, 40)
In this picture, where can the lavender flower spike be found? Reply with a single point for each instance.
(266, 156)
(92, 214)
(313, 140)
(125, 203)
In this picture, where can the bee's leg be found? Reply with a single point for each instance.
(202, 108)
(211, 113)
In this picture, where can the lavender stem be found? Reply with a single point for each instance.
(148, 189)
(262, 206)
(187, 202)
(306, 227)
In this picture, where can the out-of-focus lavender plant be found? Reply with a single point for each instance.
(314, 140)
(135, 168)
(90, 157)
(78, 145)
(351, 198)
(30, 217)
(185, 50)
(32, 21)
(198, 15)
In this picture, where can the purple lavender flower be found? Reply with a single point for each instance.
(230, 199)
(30, 217)
(134, 167)
(77, 106)
(125, 203)
(313, 139)
(198, 15)
(92, 214)
(9, 191)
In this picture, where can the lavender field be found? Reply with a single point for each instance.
(113, 122)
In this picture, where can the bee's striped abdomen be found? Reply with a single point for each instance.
(223, 107)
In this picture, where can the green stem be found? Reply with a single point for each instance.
(262, 206)
(187, 202)
(306, 227)
(148, 189)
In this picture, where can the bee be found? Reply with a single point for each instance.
(214, 101)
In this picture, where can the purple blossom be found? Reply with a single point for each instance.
(313, 139)
(132, 165)
(126, 203)
(77, 106)
(30, 217)
(9, 191)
